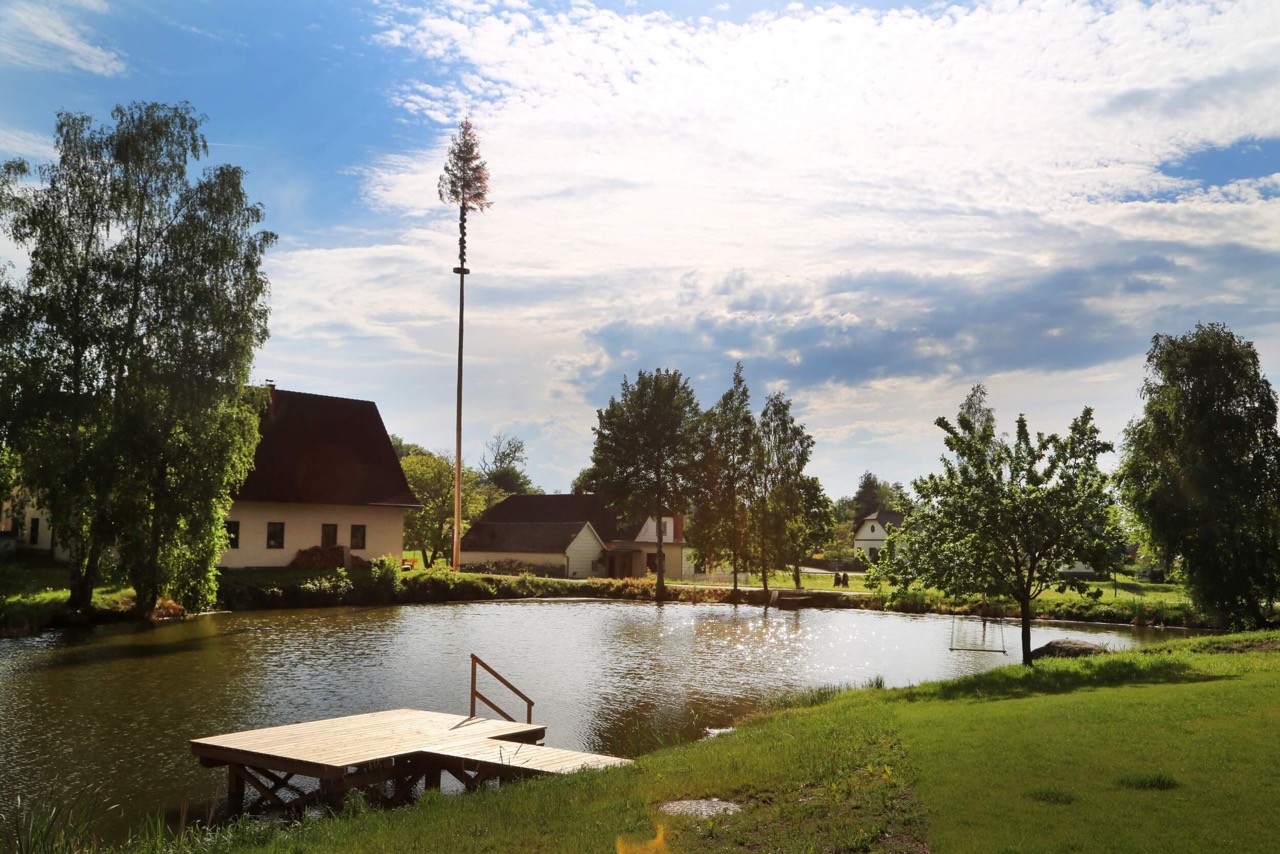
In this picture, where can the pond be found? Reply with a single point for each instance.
(111, 709)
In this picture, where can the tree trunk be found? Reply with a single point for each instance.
(660, 591)
(1025, 605)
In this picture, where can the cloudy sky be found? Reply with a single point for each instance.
(872, 206)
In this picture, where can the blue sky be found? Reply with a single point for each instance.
(872, 206)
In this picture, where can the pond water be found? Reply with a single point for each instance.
(111, 709)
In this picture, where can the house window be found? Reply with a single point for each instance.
(233, 534)
(275, 535)
(873, 529)
(357, 537)
(666, 529)
(34, 536)
(328, 535)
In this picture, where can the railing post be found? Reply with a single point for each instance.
(473, 684)
(475, 693)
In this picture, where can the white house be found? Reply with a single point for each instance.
(577, 533)
(871, 534)
(324, 474)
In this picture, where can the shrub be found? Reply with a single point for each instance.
(326, 589)
(381, 582)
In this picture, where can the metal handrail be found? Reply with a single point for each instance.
(475, 693)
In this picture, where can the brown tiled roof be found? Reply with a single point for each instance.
(545, 509)
(325, 450)
(536, 537)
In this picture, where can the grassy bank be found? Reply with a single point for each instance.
(33, 597)
(1168, 749)
(33, 593)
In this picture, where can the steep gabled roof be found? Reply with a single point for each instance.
(555, 509)
(325, 450)
(885, 517)
(537, 537)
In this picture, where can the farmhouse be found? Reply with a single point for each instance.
(324, 474)
(575, 536)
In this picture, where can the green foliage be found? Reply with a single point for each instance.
(1004, 517)
(127, 348)
(645, 458)
(465, 180)
(329, 589)
(720, 528)
(384, 578)
(1201, 470)
(430, 476)
(502, 469)
(755, 509)
(61, 827)
(405, 449)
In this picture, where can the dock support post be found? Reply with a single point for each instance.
(235, 790)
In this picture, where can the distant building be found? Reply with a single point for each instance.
(575, 536)
(872, 533)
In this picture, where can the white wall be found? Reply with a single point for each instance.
(384, 530)
(583, 553)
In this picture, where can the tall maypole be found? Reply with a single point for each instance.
(465, 183)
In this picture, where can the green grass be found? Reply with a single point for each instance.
(34, 591)
(1169, 749)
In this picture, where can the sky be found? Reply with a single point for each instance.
(871, 206)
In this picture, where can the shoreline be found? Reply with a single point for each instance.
(241, 591)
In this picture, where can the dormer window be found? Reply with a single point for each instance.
(873, 529)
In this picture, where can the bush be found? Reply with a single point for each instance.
(326, 589)
(380, 583)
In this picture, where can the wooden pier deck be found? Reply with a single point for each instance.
(384, 754)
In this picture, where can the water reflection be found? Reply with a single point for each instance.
(113, 708)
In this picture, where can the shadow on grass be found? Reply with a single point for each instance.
(1061, 677)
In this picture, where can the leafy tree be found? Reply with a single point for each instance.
(646, 450)
(813, 526)
(465, 183)
(502, 469)
(131, 342)
(779, 500)
(720, 525)
(1201, 470)
(873, 494)
(431, 477)
(1004, 517)
(405, 449)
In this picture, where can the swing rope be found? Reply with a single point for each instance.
(1003, 650)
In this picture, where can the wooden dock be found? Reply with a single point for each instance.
(383, 754)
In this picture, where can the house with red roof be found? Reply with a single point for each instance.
(575, 536)
(324, 474)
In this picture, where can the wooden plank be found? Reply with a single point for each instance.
(398, 745)
(354, 739)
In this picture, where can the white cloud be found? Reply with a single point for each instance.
(21, 143)
(821, 138)
(690, 191)
(48, 35)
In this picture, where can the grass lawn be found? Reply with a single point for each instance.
(1165, 751)
(33, 590)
